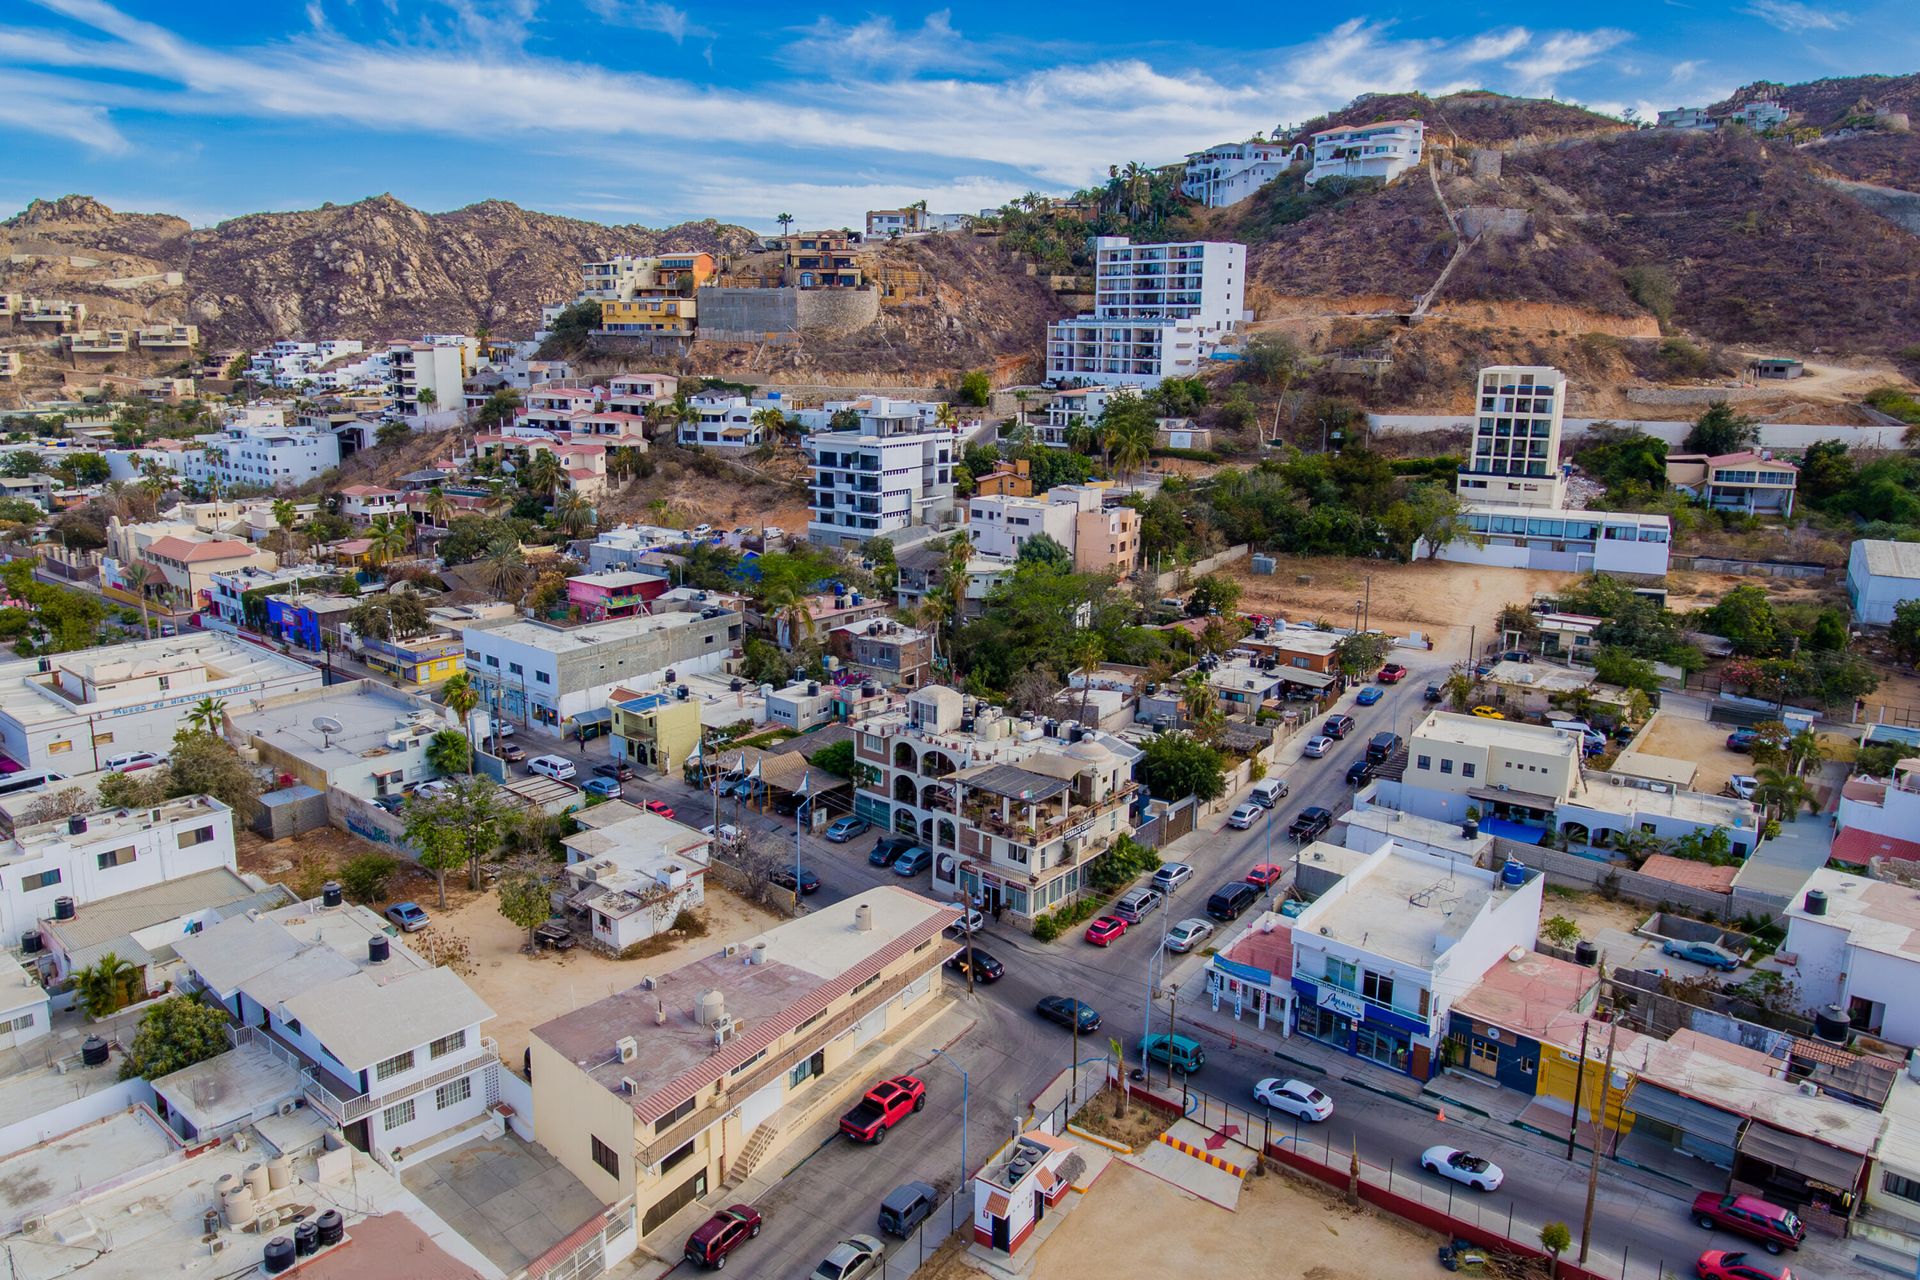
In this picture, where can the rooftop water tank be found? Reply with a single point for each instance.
(378, 948)
(332, 1228)
(63, 909)
(279, 1255)
(330, 894)
(93, 1051)
(77, 824)
(1513, 874)
(306, 1238)
(1830, 1024)
(1816, 902)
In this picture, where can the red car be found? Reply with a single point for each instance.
(1717, 1265)
(1264, 875)
(660, 807)
(1104, 930)
(886, 1105)
(721, 1234)
(1775, 1227)
(1392, 673)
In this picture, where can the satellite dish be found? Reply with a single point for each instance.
(327, 726)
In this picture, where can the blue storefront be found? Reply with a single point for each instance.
(1363, 1028)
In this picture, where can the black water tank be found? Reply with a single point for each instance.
(669, 675)
(279, 1255)
(377, 949)
(30, 942)
(93, 1051)
(1470, 828)
(813, 688)
(1816, 902)
(76, 824)
(1830, 1024)
(63, 909)
(306, 1237)
(330, 894)
(1585, 953)
(332, 1228)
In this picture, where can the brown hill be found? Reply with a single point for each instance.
(1827, 104)
(1476, 116)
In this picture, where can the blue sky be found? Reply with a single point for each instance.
(648, 111)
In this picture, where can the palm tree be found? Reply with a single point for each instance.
(541, 473)
(1088, 651)
(436, 506)
(461, 699)
(427, 398)
(207, 715)
(945, 418)
(389, 537)
(135, 576)
(1129, 443)
(104, 986)
(1782, 792)
(770, 422)
(504, 569)
(284, 514)
(573, 513)
(785, 220)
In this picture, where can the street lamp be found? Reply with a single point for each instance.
(964, 1087)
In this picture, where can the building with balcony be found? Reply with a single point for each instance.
(889, 224)
(890, 653)
(169, 337)
(428, 376)
(630, 873)
(362, 502)
(98, 342)
(231, 589)
(53, 311)
(923, 571)
(1756, 483)
(628, 277)
(1879, 817)
(1516, 438)
(418, 662)
(1030, 832)
(389, 1046)
(613, 593)
(1158, 310)
(724, 422)
(637, 392)
(9, 364)
(656, 731)
(272, 458)
(673, 316)
(1000, 526)
(891, 473)
(1695, 118)
(669, 1090)
(819, 260)
(1077, 407)
(1384, 150)
(1227, 174)
(1569, 541)
(1881, 576)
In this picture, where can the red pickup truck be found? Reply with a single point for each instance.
(886, 1104)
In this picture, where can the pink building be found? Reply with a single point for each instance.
(615, 593)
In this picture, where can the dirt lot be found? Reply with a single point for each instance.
(1687, 591)
(1324, 1239)
(1439, 599)
(1139, 1126)
(1696, 740)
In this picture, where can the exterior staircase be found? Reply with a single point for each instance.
(758, 1143)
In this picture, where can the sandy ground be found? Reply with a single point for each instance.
(1687, 591)
(1594, 913)
(1439, 599)
(1139, 1126)
(1696, 740)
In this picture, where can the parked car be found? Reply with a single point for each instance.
(1264, 875)
(1720, 1264)
(559, 768)
(882, 855)
(1318, 745)
(1171, 876)
(392, 804)
(660, 807)
(608, 787)
(1182, 1053)
(884, 1106)
(906, 1207)
(1229, 900)
(1358, 772)
(1188, 934)
(913, 861)
(783, 878)
(721, 1234)
(1105, 930)
(501, 729)
(1369, 695)
(619, 771)
(1463, 1167)
(968, 923)
(1392, 673)
(726, 833)
(1743, 786)
(1310, 823)
(1516, 655)
(855, 1258)
(510, 753)
(893, 847)
(1775, 1227)
(408, 915)
(1433, 693)
(1269, 792)
(1703, 953)
(1488, 713)
(985, 968)
(1064, 1009)
(1381, 746)
(433, 789)
(845, 829)
(1136, 905)
(1337, 726)
(1295, 1097)
(1244, 815)
(1742, 740)
(131, 761)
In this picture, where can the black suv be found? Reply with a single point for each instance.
(1381, 746)
(1310, 823)
(1358, 772)
(1337, 726)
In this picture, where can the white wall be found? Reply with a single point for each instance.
(69, 1116)
(158, 858)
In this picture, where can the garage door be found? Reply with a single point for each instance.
(1691, 1126)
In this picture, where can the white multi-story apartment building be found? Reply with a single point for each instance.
(1385, 150)
(724, 422)
(636, 392)
(1001, 524)
(1158, 310)
(438, 364)
(1077, 406)
(329, 365)
(1761, 115)
(388, 1045)
(892, 473)
(1516, 437)
(1686, 118)
(1229, 173)
(266, 457)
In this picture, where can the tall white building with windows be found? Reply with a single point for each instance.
(265, 457)
(1158, 310)
(1229, 173)
(1384, 149)
(1516, 437)
(892, 473)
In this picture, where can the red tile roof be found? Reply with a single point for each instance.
(180, 549)
(1856, 845)
(1694, 875)
(1270, 951)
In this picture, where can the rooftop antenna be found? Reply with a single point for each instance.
(327, 727)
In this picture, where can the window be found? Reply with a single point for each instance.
(1341, 973)
(447, 1044)
(1466, 768)
(807, 1069)
(116, 858)
(453, 1093)
(748, 1064)
(396, 1115)
(394, 1066)
(606, 1157)
(20, 1023)
(199, 835)
(1423, 762)
(677, 1155)
(1446, 765)
(40, 880)
(513, 668)
(541, 677)
(59, 748)
(1377, 986)
(673, 1117)
(1895, 1185)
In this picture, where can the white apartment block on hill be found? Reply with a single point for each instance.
(1516, 437)
(1227, 174)
(891, 473)
(1385, 150)
(266, 457)
(1158, 310)
(438, 365)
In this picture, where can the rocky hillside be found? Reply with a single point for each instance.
(1475, 117)
(376, 268)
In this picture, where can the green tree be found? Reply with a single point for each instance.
(209, 715)
(173, 1035)
(788, 582)
(835, 758)
(1556, 1240)
(449, 753)
(504, 571)
(1720, 430)
(572, 330)
(1618, 667)
(763, 663)
(1745, 618)
(1828, 634)
(1429, 511)
(1177, 765)
(476, 807)
(391, 433)
(1214, 593)
(1826, 469)
(1128, 439)
(202, 764)
(886, 567)
(573, 514)
(107, 985)
(20, 464)
(1904, 633)
(461, 698)
(364, 878)
(526, 897)
(135, 577)
(1782, 792)
(389, 615)
(1043, 549)
(390, 537)
(1272, 359)
(430, 830)
(1362, 653)
(84, 468)
(976, 389)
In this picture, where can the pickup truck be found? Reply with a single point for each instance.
(886, 1104)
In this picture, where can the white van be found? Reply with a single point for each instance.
(1590, 737)
(559, 768)
(1268, 792)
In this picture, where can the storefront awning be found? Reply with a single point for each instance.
(599, 715)
(1709, 1124)
(1814, 1161)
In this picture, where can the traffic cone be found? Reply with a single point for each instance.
(1443, 1115)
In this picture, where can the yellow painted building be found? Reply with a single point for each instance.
(648, 315)
(655, 731)
(424, 660)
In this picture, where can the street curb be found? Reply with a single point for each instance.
(1097, 1140)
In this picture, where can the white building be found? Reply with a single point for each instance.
(630, 873)
(1385, 150)
(1158, 310)
(71, 711)
(1075, 407)
(360, 737)
(724, 422)
(391, 1044)
(271, 458)
(802, 705)
(1686, 118)
(1229, 173)
(1516, 437)
(1855, 942)
(1000, 525)
(892, 473)
(438, 364)
(1881, 575)
(1760, 115)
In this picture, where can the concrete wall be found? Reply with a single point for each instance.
(1171, 579)
(1788, 437)
(829, 312)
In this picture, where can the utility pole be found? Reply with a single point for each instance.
(1173, 1001)
(1579, 1087)
(1593, 1170)
(1369, 604)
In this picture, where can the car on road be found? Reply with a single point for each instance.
(1488, 713)
(559, 768)
(893, 847)
(1295, 1097)
(1463, 1167)
(1182, 1053)
(884, 1106)
(1381, 746)
(433, 790)
(1264, 875)
(1229, 900)
(783, 878)
(966, 924)
(1433, 693)
(913, 861)
(983, 966)
(847, 828)
(883, 855)
(131, 761)
(619, 771)
(1188, 934)
(1171, 876)
(1702, 953)
(1244, 815)
(1103, 931)
(1064, 1009)
(1392, 673)
(1775, 1227)
(1136, 905)
(906, 1207)
(1310, 823)
(608, 787)
(1369, 695)
(1743, 786)
(1269, 792)
(1358, 772)
(1723, 1264)
(501, 729)
(1337, 726)
(1318, 745)
(1742, 740)
(855, 1258)
(408, 915)
(660, 807)
(510, 753)
(721, 1234)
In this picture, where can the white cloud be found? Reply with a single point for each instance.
(1558, 54)
(649, 15)
(831, 48)
(1793, 17)
(58, 108)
